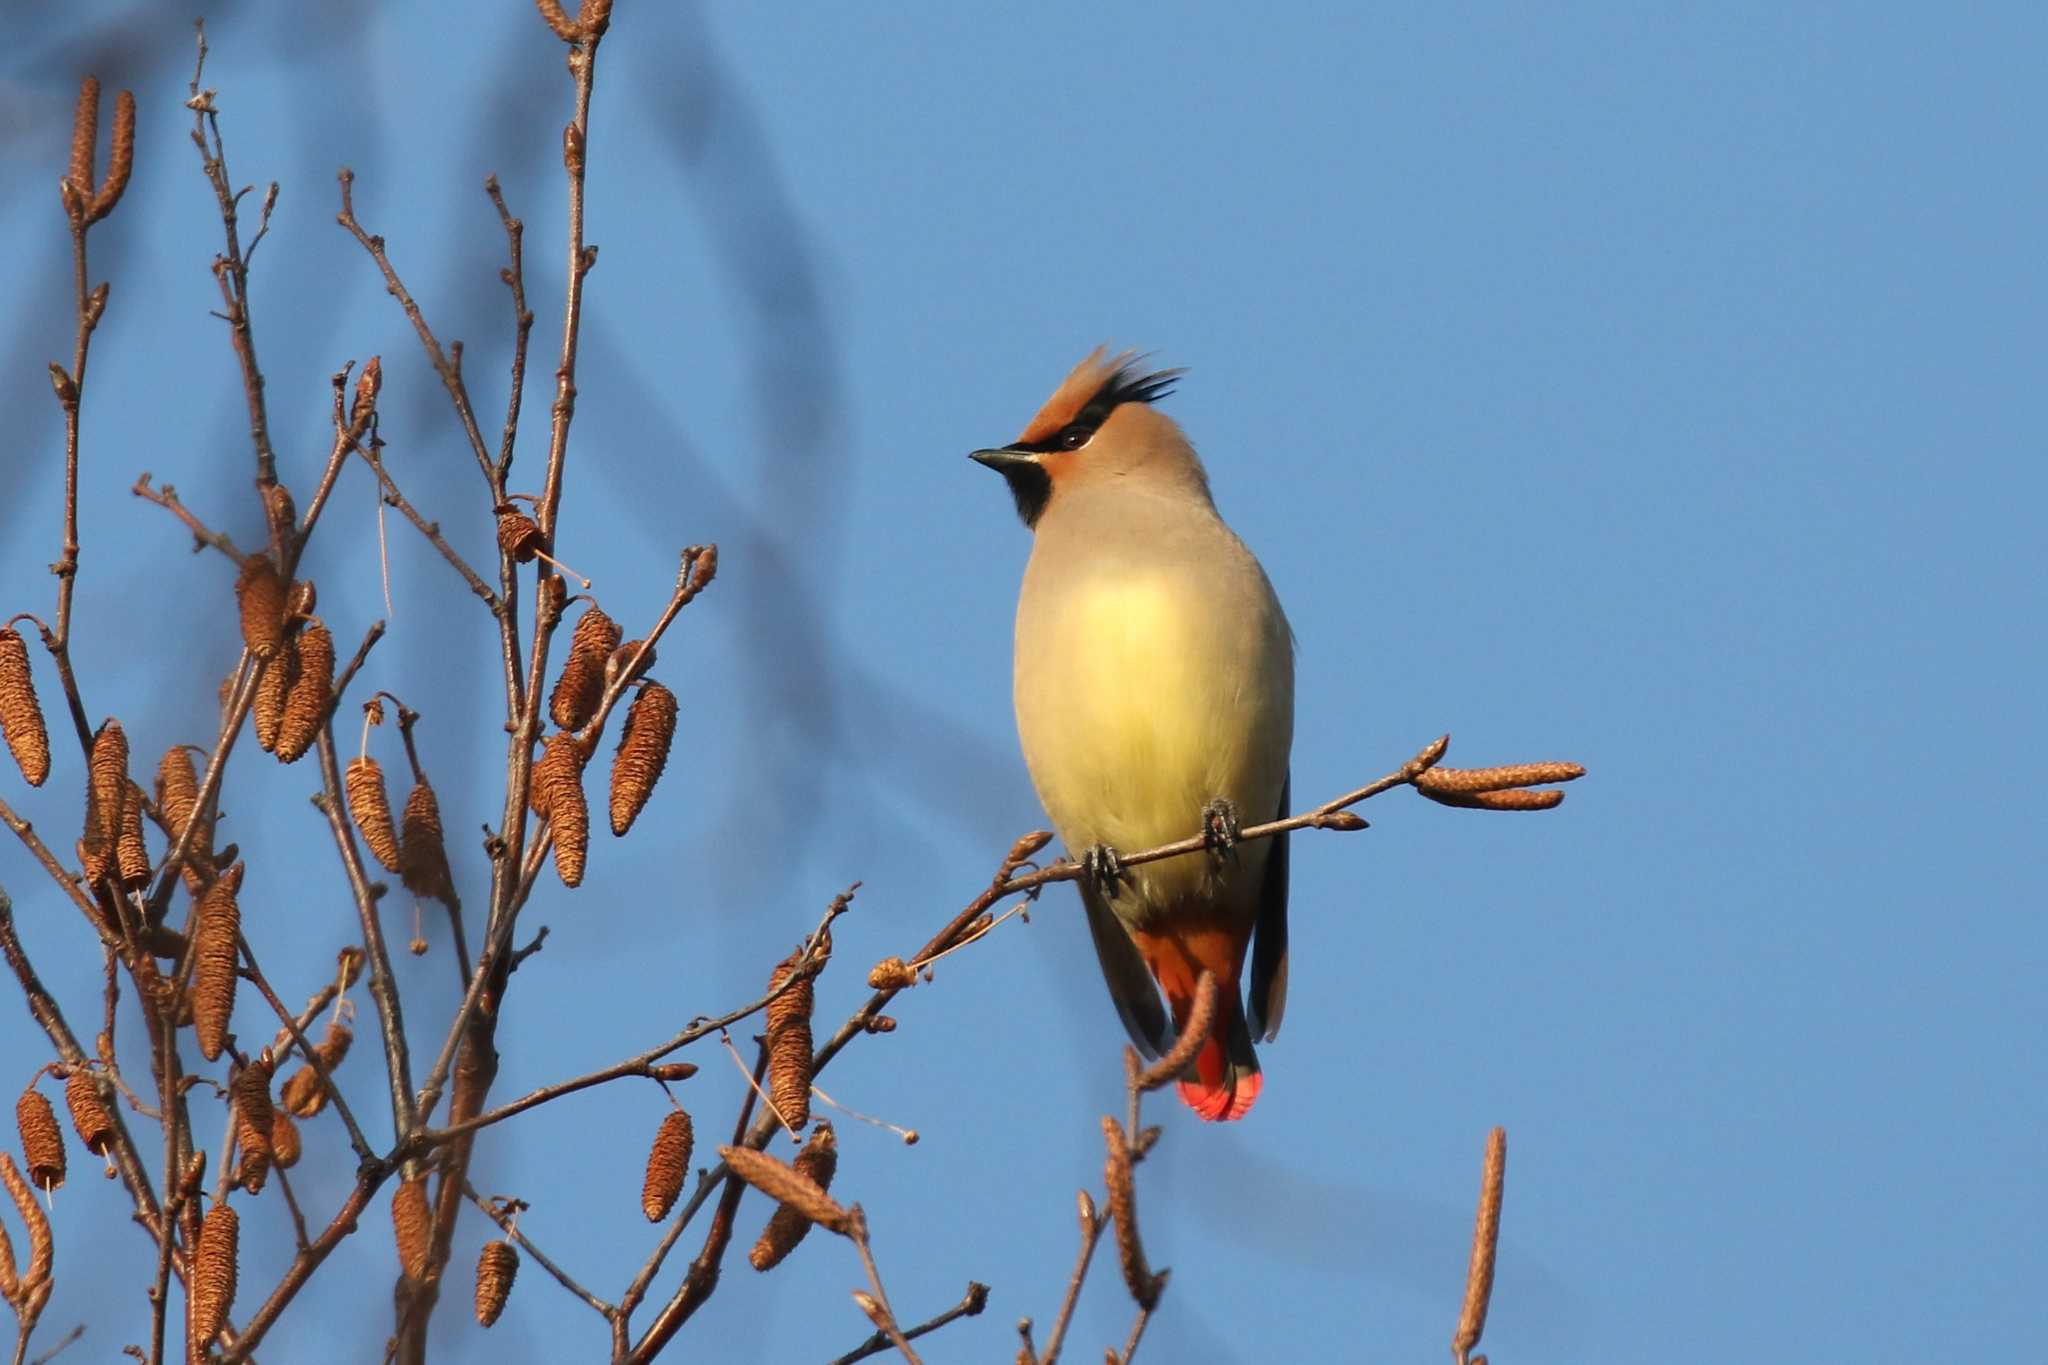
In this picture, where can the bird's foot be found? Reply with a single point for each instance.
(1220, 825)
(1105, 868)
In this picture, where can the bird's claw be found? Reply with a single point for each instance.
(1105, 868)
(1220, 824)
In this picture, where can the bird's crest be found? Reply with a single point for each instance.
(1098, 383)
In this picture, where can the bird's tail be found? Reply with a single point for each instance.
(1223, 1081)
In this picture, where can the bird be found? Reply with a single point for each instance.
(1154, 692)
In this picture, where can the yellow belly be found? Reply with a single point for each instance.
(1137, 704)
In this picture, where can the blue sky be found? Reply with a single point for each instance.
(1640, 386)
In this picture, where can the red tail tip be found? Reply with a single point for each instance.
(1224, 1101)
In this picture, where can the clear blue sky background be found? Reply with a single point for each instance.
(1641, 386)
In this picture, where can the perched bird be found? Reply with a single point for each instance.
(1155, 697)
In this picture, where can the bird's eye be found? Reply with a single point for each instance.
(1073, 438)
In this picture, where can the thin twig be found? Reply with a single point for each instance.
(970, 1305)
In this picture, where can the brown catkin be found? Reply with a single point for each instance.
(254, 1114)
(643, 752)
(273, 691)
(412, 1224)
(105, 793)
(518, 534)
(496, 1267)
(305, 702)
(122, 163)
(42, 1142)
(21, 716)
(42, 1248)
(668, 1164)
(422, 860)
(213, 1275)
(10, 1277)
(261, 595)
(819, 1161)
(131, 854)
(213, 971)
(177, 798)
(89, 1117)
(558, 794)
(789, 1044)
(371, 808)
(581, 686)
(285, 1144)
(303, 1092)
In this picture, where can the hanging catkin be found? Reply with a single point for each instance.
(558, 794)
(370, 807)
(818, 1161)
(21, 716)
(789, 1044)
(496, 1267)
(581, 686)
(177, 799)
(253, 1121)
(305, 702)
(89, 1117)
(412, 1224)
(213, 1275)
(213, 970)
(42, 1142)
(261, 596)
(273, 690)
(422, 860)
(668, 1164)
(642, 754)
(303, 1092)
(131, 855)
(105, 793)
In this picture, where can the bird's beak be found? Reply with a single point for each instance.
(1004, 462)
(1029, 482)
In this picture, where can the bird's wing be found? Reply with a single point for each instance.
(1268, 996)
(1130, 985)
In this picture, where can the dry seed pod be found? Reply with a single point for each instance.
(623, 656)
(892, 974)
(304, 596)
(41, 1248)
(558, 792)
(422, 861)
(668, 1162)
(581, 686)
(789, 1044)
(21, 716)
(642, 754)
(253, 1121)
(305, 702)
(412, 1224)
(10, 1278)
(261, 595)
(213, 971)
(42, 1142)
(273, 690)
(89, 1117)
(177, 798)
(518, 535)
(213, 1275)
(131, 855)
(303, 1093)
(285, 1144)
(818, 1162)
(371, 809)
(105, 794)
(496, 1267)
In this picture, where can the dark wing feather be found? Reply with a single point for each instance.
(1268, 996)
(1130, 985)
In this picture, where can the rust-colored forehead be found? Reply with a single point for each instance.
(1073, 394)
